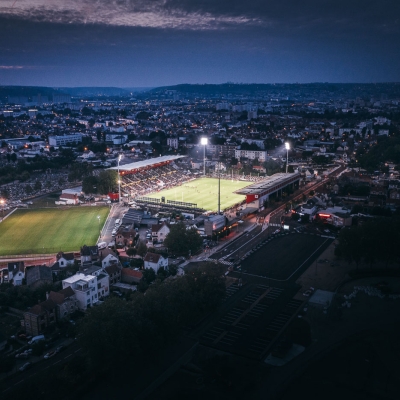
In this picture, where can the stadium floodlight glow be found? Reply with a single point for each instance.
(287, 146)
(204, 142)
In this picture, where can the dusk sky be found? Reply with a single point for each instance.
(142, 43)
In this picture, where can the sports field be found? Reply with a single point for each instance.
(45, 231)
(204, 193)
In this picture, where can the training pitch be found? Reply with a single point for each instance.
(45, 231)
(204, 193)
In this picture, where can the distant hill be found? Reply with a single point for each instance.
(95, 91)
(27, 91)
(256, 88)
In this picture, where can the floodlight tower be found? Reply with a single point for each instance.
(119, 180)
(287, 146)
(204, 142)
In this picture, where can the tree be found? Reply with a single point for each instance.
(149, 275)
(131, 251)
(89, 184)
(107, 181)
(141, 248)
(182, 241)
(28, 189)
(38, 185)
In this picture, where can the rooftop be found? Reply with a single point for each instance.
(267, 183)
(146, 163)
(78, 277)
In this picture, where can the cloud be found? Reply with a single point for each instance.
(149, 14)
(12, 67)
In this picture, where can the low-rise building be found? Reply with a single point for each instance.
(85, 289)
(155, 261)
(159, 232)
(129, 275)
(37, 275)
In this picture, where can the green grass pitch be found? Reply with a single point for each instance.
(45, 231)
(204, 193)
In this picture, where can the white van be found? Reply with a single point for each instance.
(102, 245)
(36, 339)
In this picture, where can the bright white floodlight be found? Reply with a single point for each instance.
(204, 142)
(287, 146)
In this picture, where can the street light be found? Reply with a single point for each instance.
(119, 180)
(2, 209)
(287, 146)
(98, 217)
(204, 142)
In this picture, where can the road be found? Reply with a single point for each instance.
(18, 378)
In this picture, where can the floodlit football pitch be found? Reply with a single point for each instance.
(204, 193)
(45, 231)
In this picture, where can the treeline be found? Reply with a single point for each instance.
(119, 331)
(374, 241)
(387, 149)
(21, 170)
(23, 296)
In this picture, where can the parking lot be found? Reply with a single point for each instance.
(279, 256)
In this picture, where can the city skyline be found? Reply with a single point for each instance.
(167, 42)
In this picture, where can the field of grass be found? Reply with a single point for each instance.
(45, 231)
(204, 193)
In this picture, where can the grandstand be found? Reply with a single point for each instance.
(148, 176)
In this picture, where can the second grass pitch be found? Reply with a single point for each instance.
(47, 231)
(204, 193)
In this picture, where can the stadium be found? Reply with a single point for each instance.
(159, 183)
(162, 184)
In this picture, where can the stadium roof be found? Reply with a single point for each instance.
(146, 163)
(268, 183)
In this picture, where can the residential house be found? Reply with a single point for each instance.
(85, 289)
(65, 301)
(37, 275)
(39, 317)
(114, 273)
(124, 238)
(129, 275)
(159, 232)
(109, 259)
(155, 261)
(68, 198)
(89, 254)
(65, 259)
(14, 273)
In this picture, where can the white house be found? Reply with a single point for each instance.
(85, 289)
(14, 273)
(108, 260)
(65, 259)
(173, 142)
(251, 154)
(155, 261)
(159, 232)
(68, 198)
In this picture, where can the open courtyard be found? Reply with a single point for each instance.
(44, 231)
(204, 193)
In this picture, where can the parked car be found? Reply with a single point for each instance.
(25, 366)
(36, 339)
(61, 348)
(49, 354)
